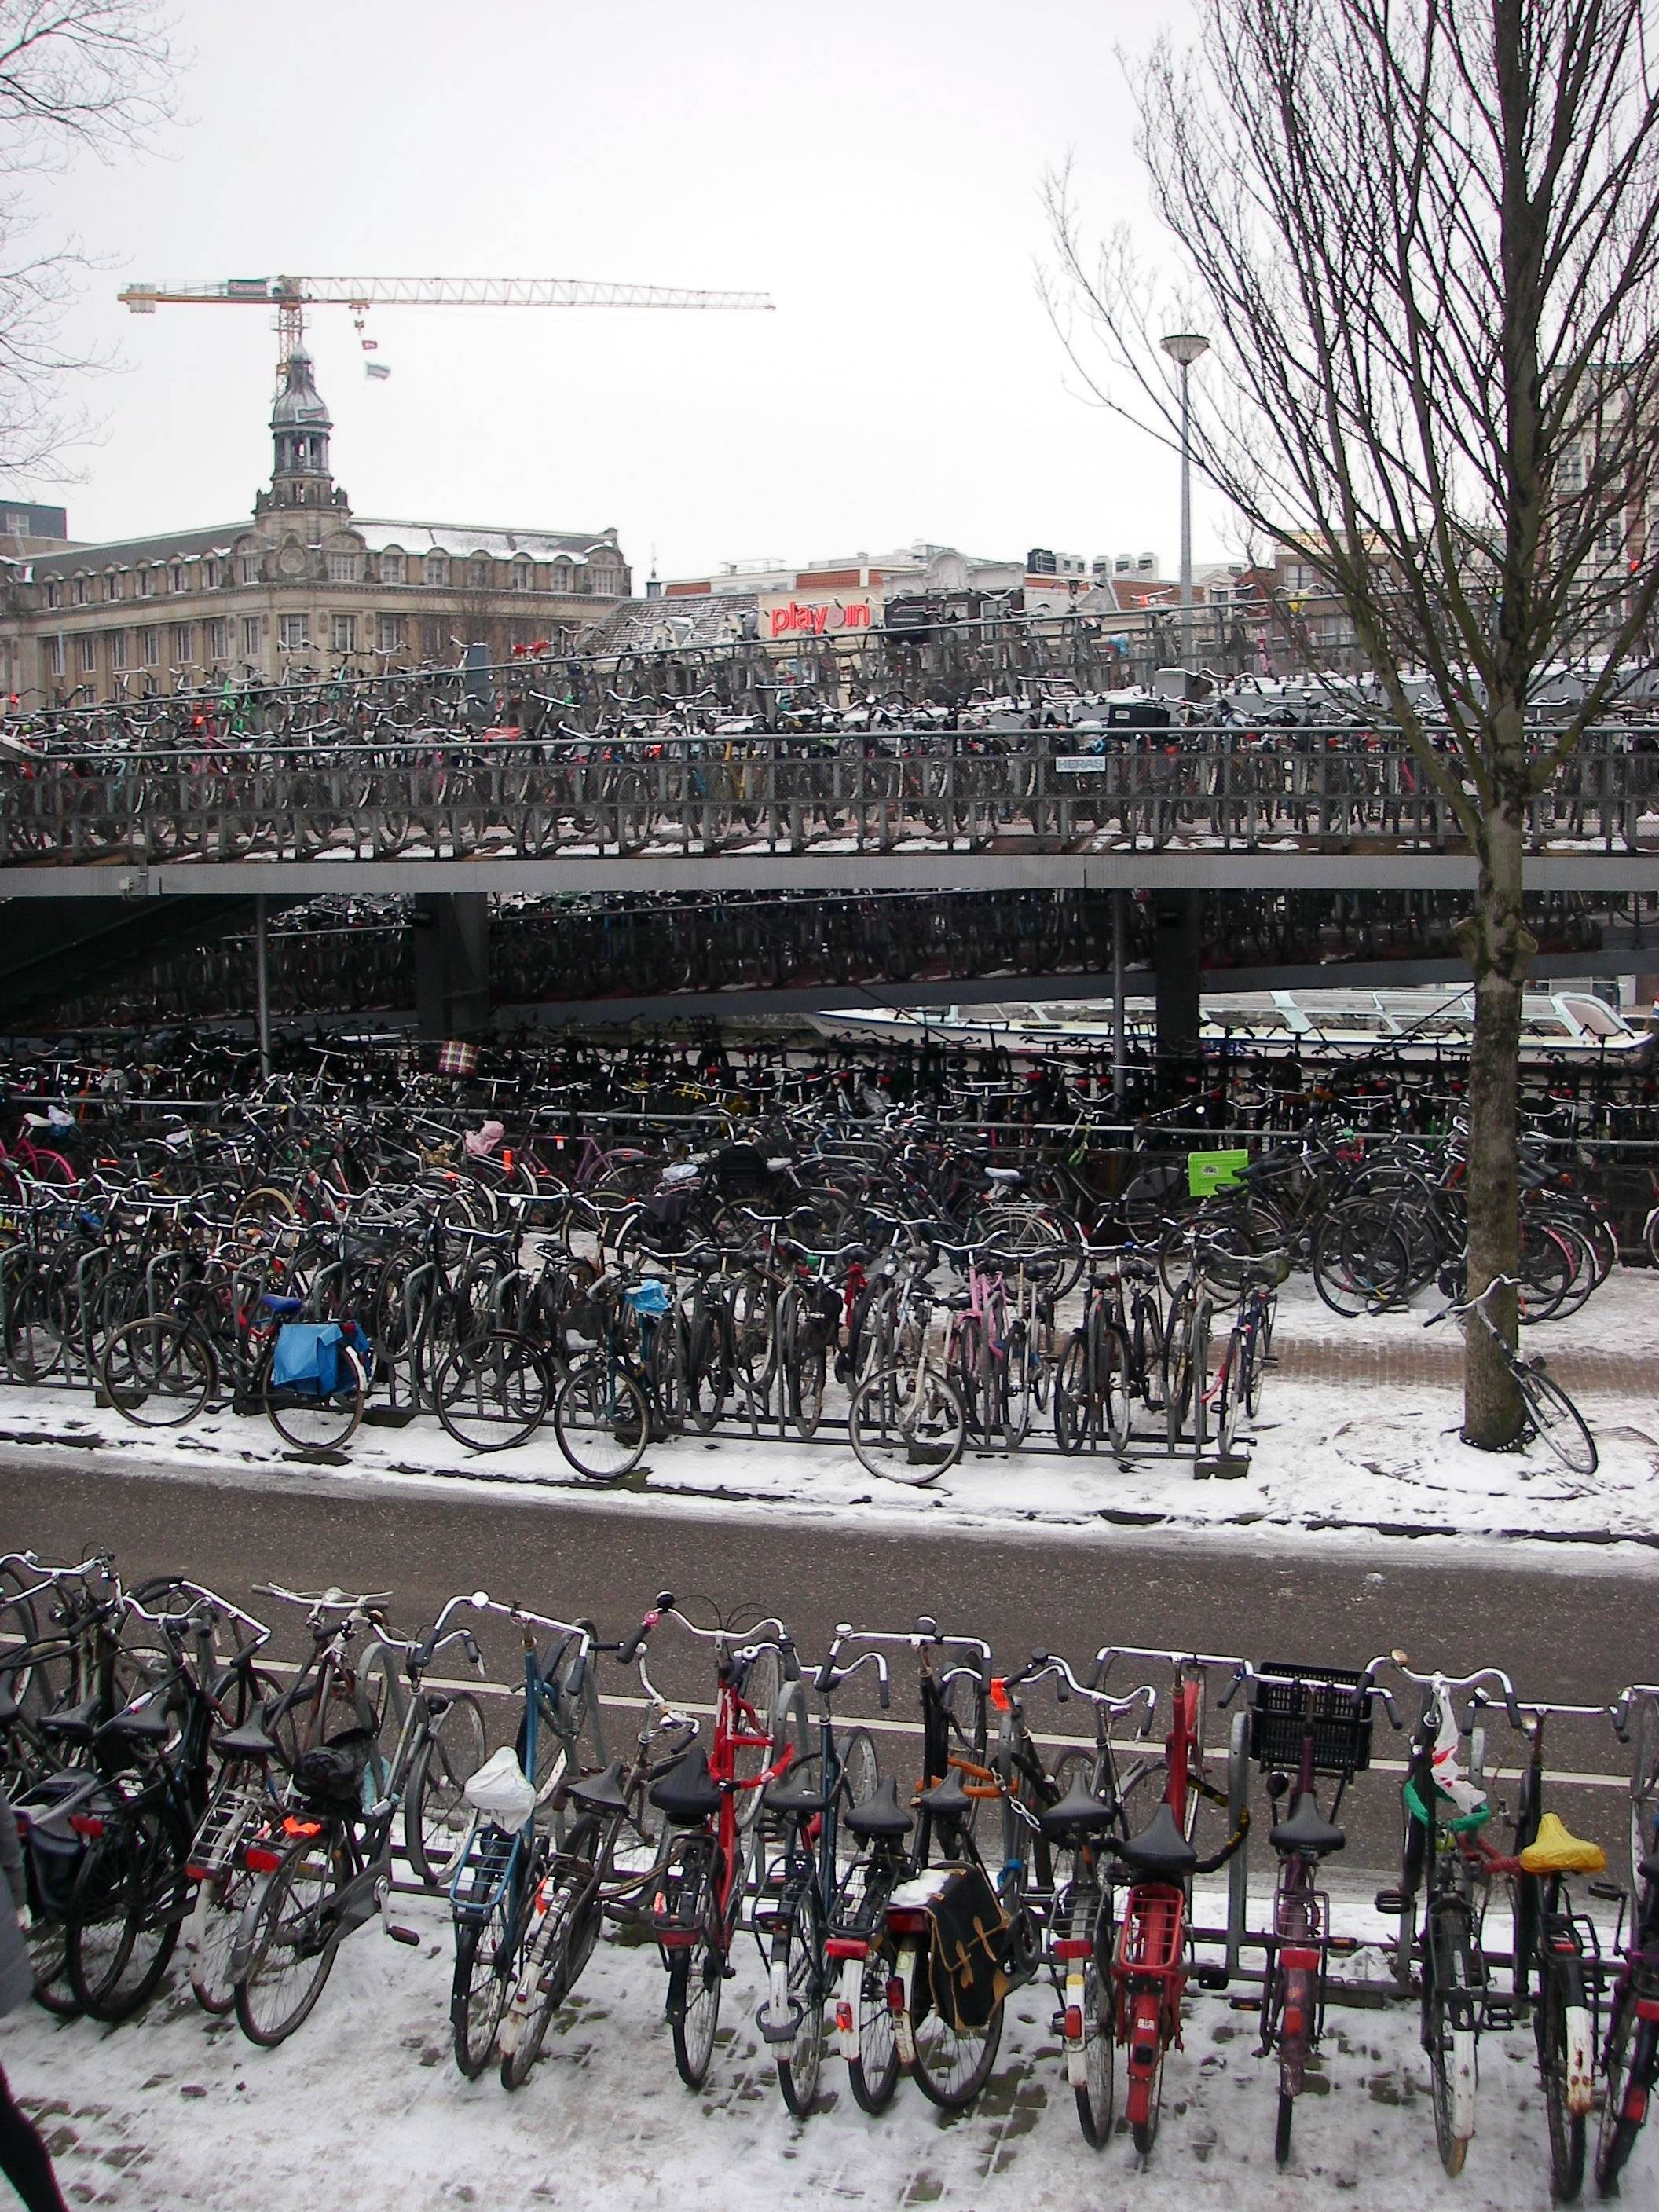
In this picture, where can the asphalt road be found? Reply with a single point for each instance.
(1569, 1628)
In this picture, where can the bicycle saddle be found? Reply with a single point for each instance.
(686, 1794)
(1160, 1850)
(881, 1815)
(948, 1800)
(798, 1795)
(1307, 1832)
(247, 1739)
(603, 1793)
(1079, 1812)
(76, 1724)
(150, 1725)
(1556, 1849)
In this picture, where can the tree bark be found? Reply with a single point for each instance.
(1499, 946)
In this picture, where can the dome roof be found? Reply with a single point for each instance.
(299, 403)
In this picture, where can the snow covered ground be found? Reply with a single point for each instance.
(365, 2108)
(1340, 1447)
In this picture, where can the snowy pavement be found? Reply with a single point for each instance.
(364, 2107)
(1339, 1447)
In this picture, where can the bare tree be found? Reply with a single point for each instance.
(1422, 236)
(77, 76)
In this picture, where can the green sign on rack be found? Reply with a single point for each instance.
(1208, 1171)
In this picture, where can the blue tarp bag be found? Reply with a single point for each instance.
(305, 1358)
(649, 1297)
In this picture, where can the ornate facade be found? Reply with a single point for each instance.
(306, 586)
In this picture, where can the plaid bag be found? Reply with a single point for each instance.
(458, 1058)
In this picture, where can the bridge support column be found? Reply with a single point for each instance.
(1175, 972)
(452, 962)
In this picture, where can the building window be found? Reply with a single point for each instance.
(146, 583)
(178, 575)
(210, 575)
(88, 653)
(432, 639)
(182, 654)
(519, 577)
(1572, 468)
(345, 633)
(477, 573)
(343, 568)
(54, 656)
(295, 633)
(247, 568)
(437, 570)
(1609, 538)
(389, 633)
(253, 630)
(112, 587)
(117, 648)
(149, 648)
(82, 589)
(562, 576)
(392, 567)
(218, 640)
(52, 593)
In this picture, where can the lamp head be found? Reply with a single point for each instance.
(1185, 346)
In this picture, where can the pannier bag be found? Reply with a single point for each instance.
(457, 1058)
(305, 1357)
(332, 1773)
(966, 1976)
(52, 1851)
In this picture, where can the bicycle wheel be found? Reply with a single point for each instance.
(807, 1378)
(1227, 1393)
(494, 1394)
(158, 1372)
(1096, 2093)
(1144, 2101)
(709, 1371)
(694, 2001)
(600, 1419)
(1557, 1423)
(288, 1942)
(908, 1427)
(1181, 1381)
(1630, 2066)
(485, 1949)
(557, 1952)
(797, 1989)
(437, 1819)
(1449, 2042)
(1566, 2127)
(1112, 1386)
(761, 1685)
(126, 1912)
(317, 1421)
(1286, 2114)
(860, 1772)
(221, 1898)
(952, 2064)
(1071, 1408)
(873, 2074)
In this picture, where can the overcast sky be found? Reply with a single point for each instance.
(876, 165)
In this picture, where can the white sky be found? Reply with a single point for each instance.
(874, 164)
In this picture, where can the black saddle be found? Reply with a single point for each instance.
(76, 1724)
(881, 1815)
(149, 1724)
(1079, 1812)
(1307, 1832)
(1160, 1850)
(685, 1794)
(247, 1739)
(798, 1795)
(601, 1793)
(948, 1800)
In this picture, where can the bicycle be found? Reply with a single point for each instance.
(1552, 1417)
(1630, 2048)
(759, 1729)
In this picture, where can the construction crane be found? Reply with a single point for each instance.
(291, 296)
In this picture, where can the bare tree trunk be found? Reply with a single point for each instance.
(1499, 946)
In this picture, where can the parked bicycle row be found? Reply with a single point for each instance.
(625, 1296)
(174, 1784)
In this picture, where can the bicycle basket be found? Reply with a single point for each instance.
(480, 1880)
(1341, 1719)
(331, 1773)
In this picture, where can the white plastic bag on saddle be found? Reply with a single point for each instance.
(499, 1790)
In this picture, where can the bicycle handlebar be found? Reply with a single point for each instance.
(1044, 1663)
(829, 1677)
(1471, 1682)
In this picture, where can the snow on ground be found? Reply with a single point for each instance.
(364, 2107)
(1340, 1447)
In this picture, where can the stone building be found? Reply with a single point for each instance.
(305, 586)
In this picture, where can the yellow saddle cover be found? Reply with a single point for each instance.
(1556, 1849)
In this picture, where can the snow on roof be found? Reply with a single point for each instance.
(460, 539)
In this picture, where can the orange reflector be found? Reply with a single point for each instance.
(843, 2017)
(292, 1828)
(86, 1824)
(1000, 1697)
(895, 1994)
(1296, 1957)
(1074, 2023)
(1293, 2021)
(261, 1859)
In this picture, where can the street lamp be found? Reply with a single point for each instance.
(1184, 348)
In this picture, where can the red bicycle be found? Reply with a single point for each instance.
(712, 1799)
(1152, 1958)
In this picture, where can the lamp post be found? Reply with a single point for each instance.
(1184, 348)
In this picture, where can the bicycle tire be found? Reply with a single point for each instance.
(601, 1421)
(1567, 2128)
(493, 1394)
(158, 1372)
(435, 1810)
(904, 1430)
(1557, 1422)
(479, 1988)
(1097, 2096)
(285, 1920)
(1071, 1397)
(129, 1885)
(798, 1977)
(1630, 2065)
(1644, 1789)
(1451, 2051)
(315, 1423)
(873, 2074)
(553, 1957)
(1286, 2114)
(693, 2002)
(952, 2067)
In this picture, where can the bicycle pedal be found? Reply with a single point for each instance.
(1211, 1978)
(402, 1934)
(1389, 1901)
(1245, 2004)
(728, 1973)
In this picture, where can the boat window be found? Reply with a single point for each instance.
(1598, 1019)
(1547, 1025)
